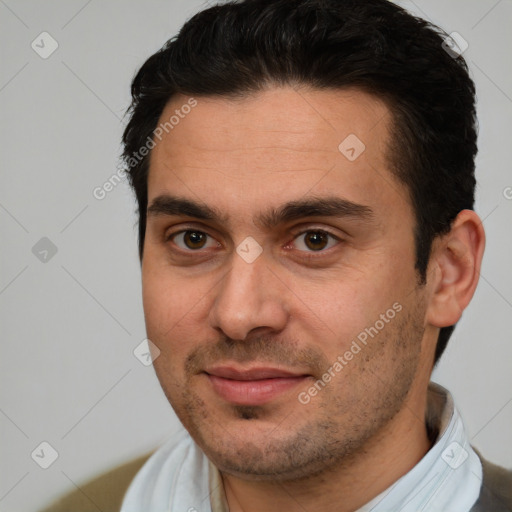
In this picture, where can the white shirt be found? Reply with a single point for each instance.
(179, 478)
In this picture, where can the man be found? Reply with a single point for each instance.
(304, 171)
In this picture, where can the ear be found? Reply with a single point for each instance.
(454, 269)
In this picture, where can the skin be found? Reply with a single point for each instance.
(294, 307)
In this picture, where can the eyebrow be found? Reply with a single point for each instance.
(331, 206)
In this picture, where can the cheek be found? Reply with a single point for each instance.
(157, 301)
(347, 308)
(167, 301)
(169, 312)
(176, 313)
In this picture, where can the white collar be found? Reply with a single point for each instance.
(178, 476)
(447, 478)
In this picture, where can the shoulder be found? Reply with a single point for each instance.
(107, 491)
(104, 492)
(496, 490)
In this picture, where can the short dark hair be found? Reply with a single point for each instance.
(242, 47)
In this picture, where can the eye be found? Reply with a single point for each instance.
(192, 240)
(315, 241)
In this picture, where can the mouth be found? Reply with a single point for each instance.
(253, 386)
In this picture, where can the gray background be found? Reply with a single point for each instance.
(70, 324)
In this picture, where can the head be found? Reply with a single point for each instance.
(348, 120)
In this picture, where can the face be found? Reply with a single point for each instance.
(278, 278)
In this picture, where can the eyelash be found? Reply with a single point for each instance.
(307, 254)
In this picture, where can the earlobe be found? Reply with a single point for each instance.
(455, 269)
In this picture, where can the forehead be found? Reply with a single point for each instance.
(276, 145)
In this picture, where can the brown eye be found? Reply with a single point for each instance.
(192, 240)
(315, 241)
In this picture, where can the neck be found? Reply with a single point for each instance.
(390, 454)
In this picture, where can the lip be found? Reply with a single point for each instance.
(253, 386)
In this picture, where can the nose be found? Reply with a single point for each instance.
(249, 297)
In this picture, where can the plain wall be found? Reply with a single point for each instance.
(69, 325)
